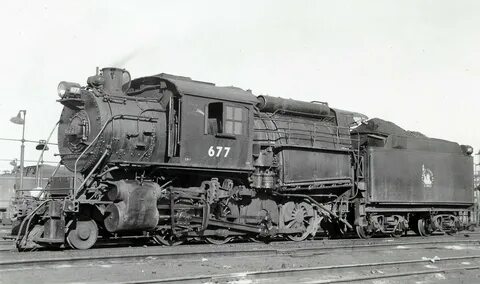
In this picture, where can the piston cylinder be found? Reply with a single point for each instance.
(135, 207)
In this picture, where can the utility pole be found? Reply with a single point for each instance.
(21, 120)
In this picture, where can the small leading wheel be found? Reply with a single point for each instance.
(83, 235)
(218, 240)
(167, 240)
(423, 227)
(362, 232)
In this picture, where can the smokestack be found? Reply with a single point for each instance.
(117, 81)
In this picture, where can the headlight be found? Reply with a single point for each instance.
(68, 88)
(467, 149)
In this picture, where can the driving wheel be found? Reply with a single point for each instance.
(300, 216)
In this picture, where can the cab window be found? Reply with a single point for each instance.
(215, 118)
(225, 119)
(234, 120)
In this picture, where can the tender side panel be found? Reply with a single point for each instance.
(302, 165)
(408, 176)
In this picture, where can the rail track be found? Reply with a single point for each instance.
(8, 244)
(257, 250)
(347, 273)
(312, 262)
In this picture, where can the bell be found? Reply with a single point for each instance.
(42, 145)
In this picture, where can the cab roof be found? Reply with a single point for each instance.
(187, 86)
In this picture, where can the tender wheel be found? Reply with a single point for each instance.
(455, 226)
(218, 240)
(362, 232)
(84, 235)
(397, 234)
(167, 240)
(398, 231)
(423, 228)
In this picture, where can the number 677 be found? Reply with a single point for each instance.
(218, 152)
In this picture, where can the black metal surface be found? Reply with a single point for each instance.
(135, 206)
(186, 86)
(419, 176)
(199, 148)
(273, 104)
(136, 133)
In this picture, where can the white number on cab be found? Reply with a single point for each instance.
(217, 151)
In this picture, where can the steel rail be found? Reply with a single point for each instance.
(284, 272)
(396, 275)
(158, 255)
(270, 251)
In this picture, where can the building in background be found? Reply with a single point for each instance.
(476, 192)
(10, 182)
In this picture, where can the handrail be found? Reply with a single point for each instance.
(312, 124)
(300, 113)
(76, 191)
(29, 217)
(98, 136)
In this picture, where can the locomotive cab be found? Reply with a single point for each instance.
(217, 132)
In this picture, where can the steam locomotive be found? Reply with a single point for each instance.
(169, 158)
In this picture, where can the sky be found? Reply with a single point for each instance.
(415, 63)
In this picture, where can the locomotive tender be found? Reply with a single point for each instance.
(170, 158)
